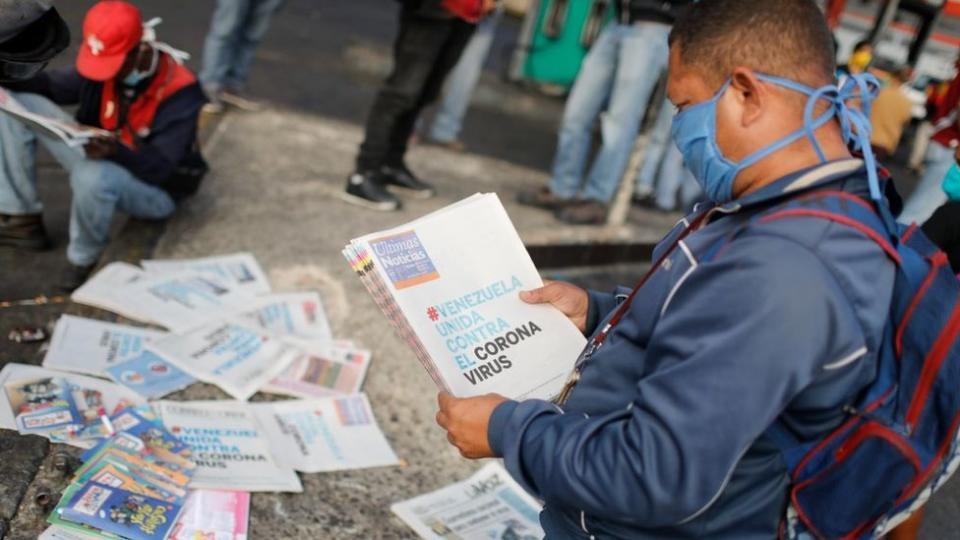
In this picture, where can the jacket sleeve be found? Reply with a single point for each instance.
(742, 337)
(61, 86)
(174, 131)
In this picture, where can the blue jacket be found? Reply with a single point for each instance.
(664, 436)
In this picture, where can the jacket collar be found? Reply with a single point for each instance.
(795, 181)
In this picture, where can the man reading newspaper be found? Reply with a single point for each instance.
(665, 434)
(128, 85)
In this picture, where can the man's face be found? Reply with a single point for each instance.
(686, 87)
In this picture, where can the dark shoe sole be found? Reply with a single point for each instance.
(386, 206)
(421, 194)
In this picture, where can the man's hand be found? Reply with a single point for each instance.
(466, 422)
(100, 148)
(571, 300)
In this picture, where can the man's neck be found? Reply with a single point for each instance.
(795, 157)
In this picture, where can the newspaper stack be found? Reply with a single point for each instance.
(449, 283)
(487, 505)
(71, 133)
(225, 328)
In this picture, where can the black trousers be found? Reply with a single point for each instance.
(425, 51)
(943, 228)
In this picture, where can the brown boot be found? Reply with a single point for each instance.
(542, 198)
(584, 213)
(26, 232)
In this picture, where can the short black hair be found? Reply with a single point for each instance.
(861, 44)
(785, 38)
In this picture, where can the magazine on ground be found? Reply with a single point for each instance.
(71, 133)
(229, 447)
(449, 283)
(237, 358)
(26, 386)
(105, 290)
(323, 435)
(238, 270)
(184, 300)
(487, 505)
(91, 346)
(339, 370)
(150, 375)
(298, 316)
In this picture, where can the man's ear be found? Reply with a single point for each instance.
(750, 93)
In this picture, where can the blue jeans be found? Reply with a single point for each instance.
(237, 28)
(99, 187)
(663, 171)
(621, 69)
(929, 194)
(463, 79)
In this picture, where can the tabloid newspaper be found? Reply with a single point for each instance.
(237, 358)
(487, 505)
(229, 447)
(238, 270)
(59, 405)
(184, 300)
(325, 434)
(298, 316)
(71, 133)
(339, 370)
(92, 346)
(449, 284)
(105, 290)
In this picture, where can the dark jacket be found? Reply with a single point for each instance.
(431, 9)
(661, 11)
(159, 157)
(665, 435)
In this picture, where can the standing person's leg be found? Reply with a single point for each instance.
(929, 194)
(415, 50)
(100, 188)
(642, 57)
(21, 219)
(656, 149)
(220, 45)
(248, 38)
(462, 80)
(590, 91)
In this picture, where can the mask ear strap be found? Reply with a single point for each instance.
(810, 126)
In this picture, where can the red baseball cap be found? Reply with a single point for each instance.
(111, 29)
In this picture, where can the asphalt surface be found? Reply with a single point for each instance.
(272, 191)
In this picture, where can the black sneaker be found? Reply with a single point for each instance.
(366, 190)
(399, 178)
(543, 198)
(25, 232)
(73, 276)
(583, 213)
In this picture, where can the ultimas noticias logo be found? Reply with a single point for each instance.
(404, 259)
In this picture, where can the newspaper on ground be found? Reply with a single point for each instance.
(323, 435)
(298, 315)
(239, 270)
(339, 370)
(105, 290)
(92, 346)
(26, 386)
(237, 358)
(229, 447)
(449, 283)
(487, 505)
(184, 300)
(214, 515)
(71, 133)
(150, 375)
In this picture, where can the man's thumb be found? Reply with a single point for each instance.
(533, 296)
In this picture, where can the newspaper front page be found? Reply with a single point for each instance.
(92, 346)
(453, 280)
(105, 290)
(324, 435)
(240, 271)
(229, 447)
(488, 505)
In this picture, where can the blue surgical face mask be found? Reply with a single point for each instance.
(695, 133)
(136, 76)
